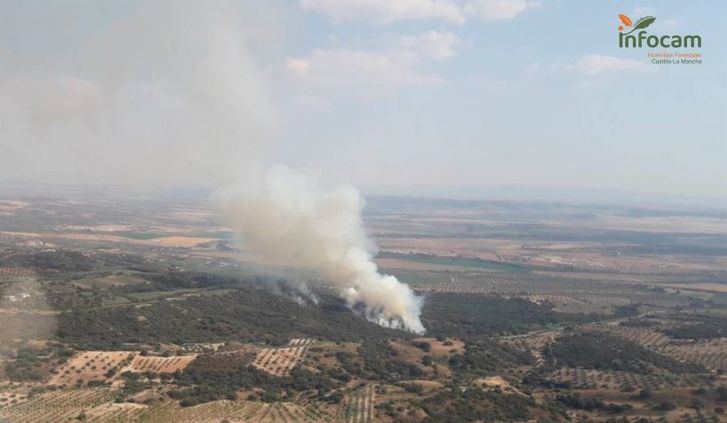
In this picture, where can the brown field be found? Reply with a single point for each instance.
(497, 382)
(481, 248)
(241, 411)
(280, 361)
(111, 411)
(440, 349)
(100, 228)
(16, 272)
(407, 351)
(66, 405)
(359, 405)
(170, 241)
(11, 206)
(142, 363)
(703, 286)
(179, 241)
(6, 397)
(88, 366)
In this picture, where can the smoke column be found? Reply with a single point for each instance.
(285, 215)
(172, 96)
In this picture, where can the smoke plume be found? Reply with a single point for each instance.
(172, 95)
(286, 216)
(168, 96)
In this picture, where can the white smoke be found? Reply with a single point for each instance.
(172, 96)
(168, 96)
(286, 216)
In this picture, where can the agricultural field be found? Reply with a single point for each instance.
(647, 337)
(90, 366)
(581, 304)
(624, 381)
(63, 405)
(10, 272)
(534, 342)
(94, 405)
(141, 364)
(280, 361)
(575, 297)
(359, 405)
(711, 353)
(138, 310)
(106, 366)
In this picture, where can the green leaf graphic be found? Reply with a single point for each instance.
(644, 22)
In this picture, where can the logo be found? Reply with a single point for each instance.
(634, 35)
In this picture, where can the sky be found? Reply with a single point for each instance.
(400, 97)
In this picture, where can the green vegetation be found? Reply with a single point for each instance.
(217, 376)
(244, 314)
(706, 328)
(33, 364)
(485, 357)
(163, 301)
(472, 316)
(595, 350)
(60, 260)
(133, 384)
(590, 404)
(24, 370)
(475, 404)
(379, 363)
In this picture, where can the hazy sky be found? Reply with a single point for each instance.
(389, 95)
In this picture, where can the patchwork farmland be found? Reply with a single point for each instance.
(712, 354)
(534, 342)
(91, 366)
(63, 405)
(564, 296)
(96, 405)
(142, 363)
(280, 361)
(359, 405)
(142, 323)
(104, 366)
(623, 381)
(14, 272)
